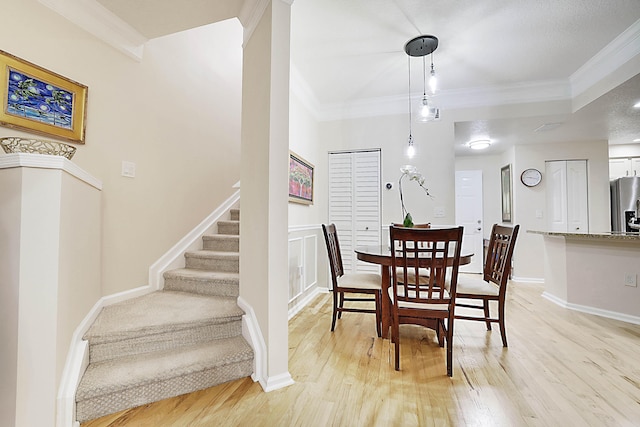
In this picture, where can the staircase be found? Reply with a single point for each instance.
(184, 338)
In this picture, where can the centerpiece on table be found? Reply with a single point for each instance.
(412, 173)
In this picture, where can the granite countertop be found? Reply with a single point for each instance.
(591, 236)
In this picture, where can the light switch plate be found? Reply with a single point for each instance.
(438, 212)
(128, 169)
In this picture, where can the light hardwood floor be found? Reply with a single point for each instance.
(563, 368)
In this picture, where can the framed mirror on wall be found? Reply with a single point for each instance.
(505, 185)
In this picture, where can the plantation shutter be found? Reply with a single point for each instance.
(354, 204)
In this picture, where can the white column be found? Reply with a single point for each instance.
(264, 175)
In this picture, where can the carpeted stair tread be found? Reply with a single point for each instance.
(126, 372)
(204, 275)
(159, 312)
(115, 385)
(213, 254)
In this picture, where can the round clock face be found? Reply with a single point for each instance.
(531, 177)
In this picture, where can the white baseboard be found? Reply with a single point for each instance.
(532, 280)
(252, 333)
(278, 382)
(174, 257)
(592, 310)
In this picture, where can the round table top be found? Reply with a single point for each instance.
(381, 254)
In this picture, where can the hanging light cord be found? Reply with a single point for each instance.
(410, 135)
(424, 79)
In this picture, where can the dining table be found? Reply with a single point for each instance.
(381, 255)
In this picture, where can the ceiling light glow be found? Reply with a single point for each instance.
(479, 144)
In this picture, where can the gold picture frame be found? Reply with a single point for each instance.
(505, 185)
(40, 101)
(300, 180)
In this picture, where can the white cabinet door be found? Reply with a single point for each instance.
(354, 204)
(577, 203)
(635, 166)
(567, 202)
(619, 168)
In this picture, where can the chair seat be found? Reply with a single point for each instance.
(418, 305)
(361, 281)
(475, 285)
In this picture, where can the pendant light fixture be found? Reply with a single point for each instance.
(422, 46)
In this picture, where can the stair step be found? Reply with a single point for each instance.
(229, 227)
(235, 214)
(213, 261)
(221, 242)
(203, 282)
(115, 385)
(160, 312)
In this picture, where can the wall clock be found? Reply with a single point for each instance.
(531, 177)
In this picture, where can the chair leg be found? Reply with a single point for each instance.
(486, 313)
(395, 334)
(335, 310)
(440, 332)
(503, 329)
(341, 304)
(378, 314)
(450, 347)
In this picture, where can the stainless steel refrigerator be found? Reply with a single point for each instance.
(625, 204)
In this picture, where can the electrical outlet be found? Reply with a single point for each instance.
(630, 280)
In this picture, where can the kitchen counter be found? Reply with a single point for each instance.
(632, 237)
(596, 273)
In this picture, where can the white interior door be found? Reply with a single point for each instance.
(469, 215)
(354, 204)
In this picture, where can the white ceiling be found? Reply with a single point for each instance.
(563, 57)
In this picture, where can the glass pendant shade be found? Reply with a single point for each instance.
(426, 111)
(433, 81)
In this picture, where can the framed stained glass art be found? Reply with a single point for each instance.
(40, 101)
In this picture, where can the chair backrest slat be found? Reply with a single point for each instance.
(415, 249)
(499, 254)
(333, 250)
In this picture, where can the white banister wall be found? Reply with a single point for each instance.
(50, 222)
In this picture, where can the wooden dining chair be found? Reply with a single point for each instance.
(351, 283)
(424, 300)
(492, 285)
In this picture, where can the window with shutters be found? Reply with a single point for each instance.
(354, 203)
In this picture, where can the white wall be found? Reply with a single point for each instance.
(434, 159)
(176, 114)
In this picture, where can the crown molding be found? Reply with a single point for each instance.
(602, 66)
(521, 93)
(612, 57)
(94, 18)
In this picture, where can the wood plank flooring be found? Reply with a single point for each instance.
(563, 368)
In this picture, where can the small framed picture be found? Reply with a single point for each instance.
(300, 180)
